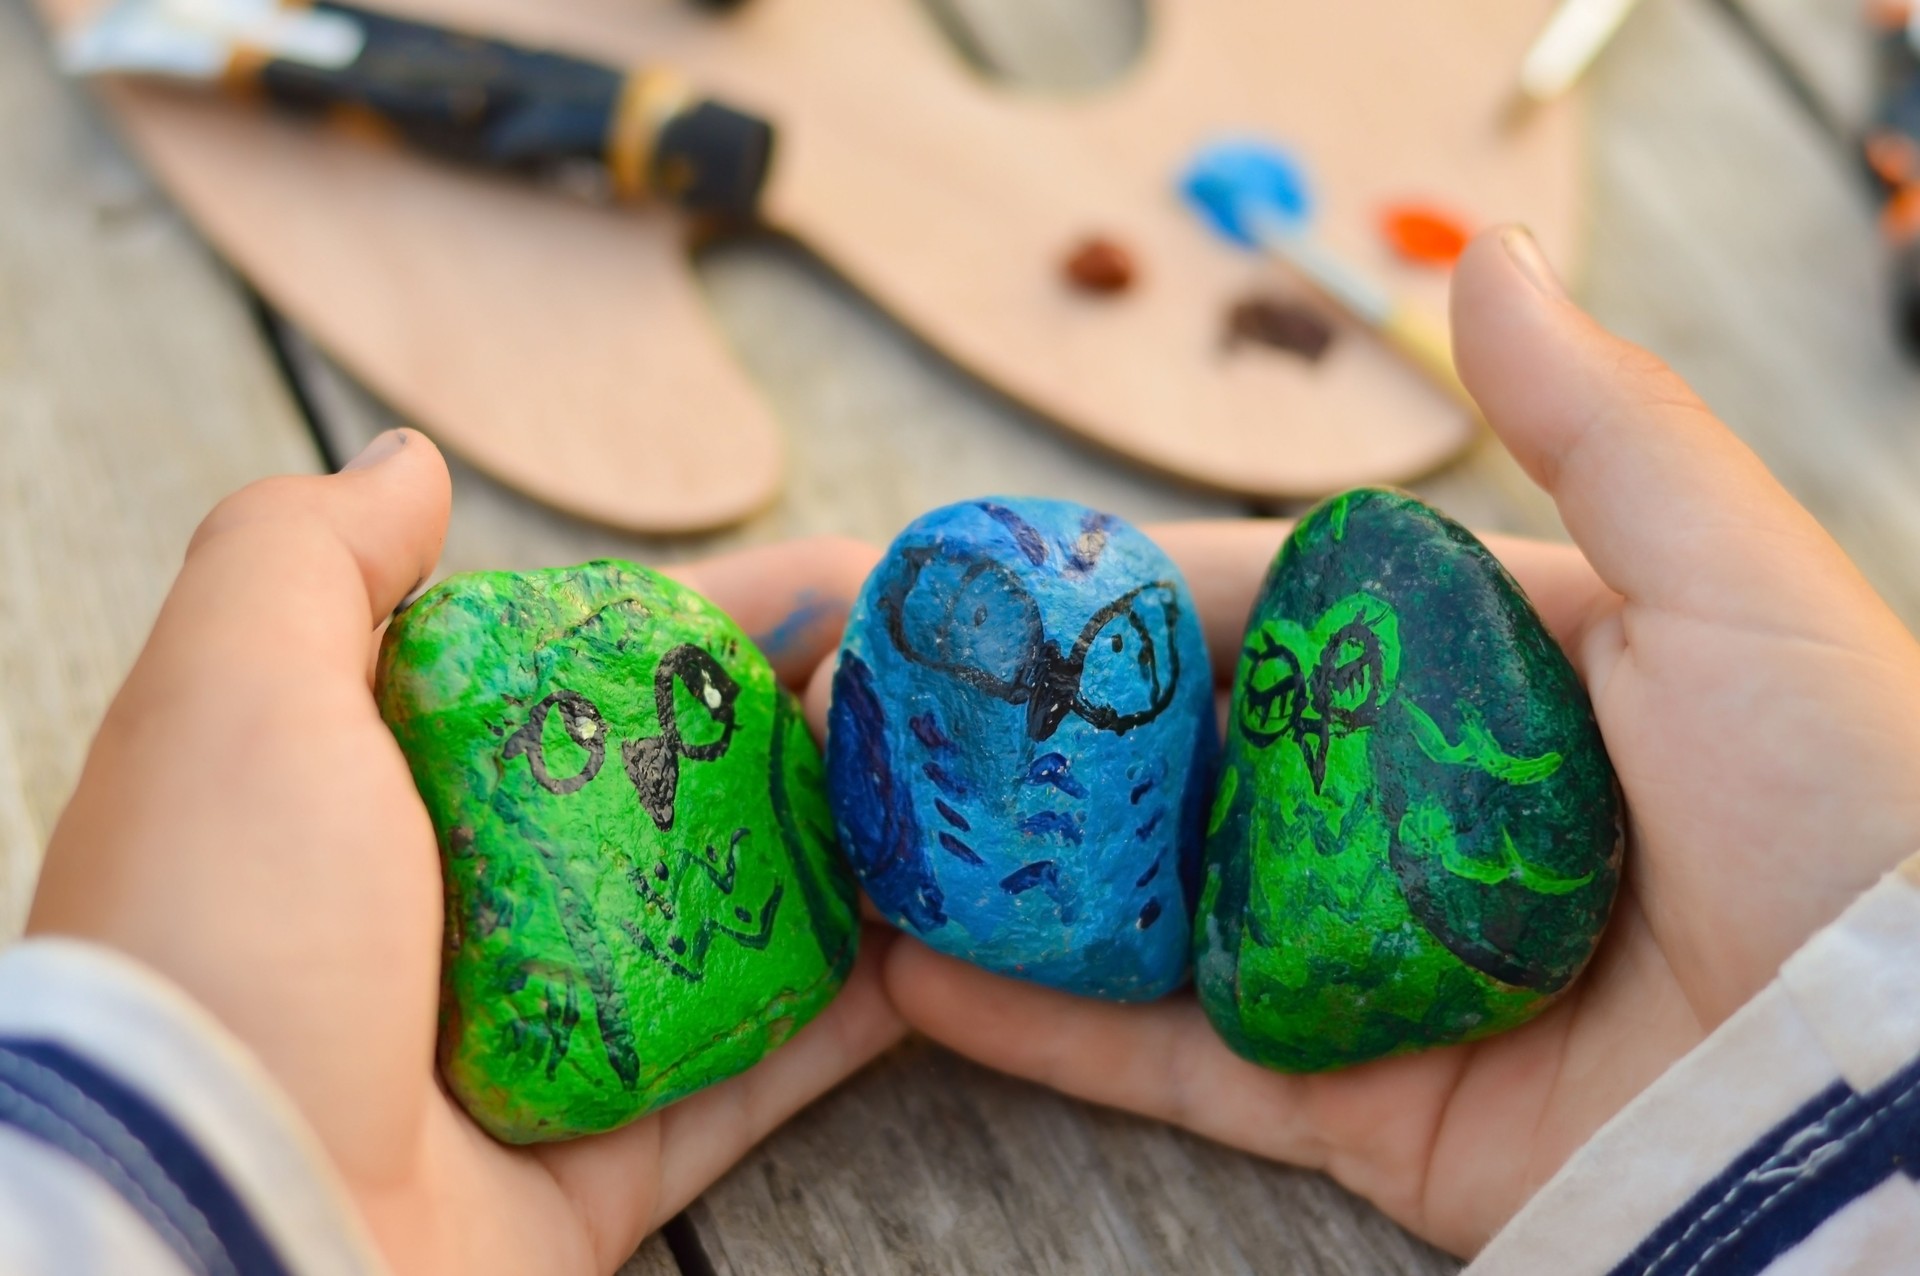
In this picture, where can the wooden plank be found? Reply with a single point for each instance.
(930, 1165)
(1729, 237)
(653, 1258)
(882, 430)
(1047, 46)
(134, 392)
(1826, 44)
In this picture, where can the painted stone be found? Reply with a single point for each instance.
(643, 896)
(1417, 833)
(1020, 747)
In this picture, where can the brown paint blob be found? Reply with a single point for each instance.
(1099, 265)
(1280, 325)
(1424, 235)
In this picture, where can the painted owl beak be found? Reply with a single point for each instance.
(1056, 682)
(1045, 713)
(1313, 748)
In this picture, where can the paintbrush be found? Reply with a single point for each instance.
(636, 134)
(1251, 194)
(1566, 47)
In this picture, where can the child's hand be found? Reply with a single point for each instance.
(247, 827)
(1762, 707)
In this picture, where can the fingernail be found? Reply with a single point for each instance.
(382, 447)
(1524, 250)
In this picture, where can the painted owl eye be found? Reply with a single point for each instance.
(1349, 682)
(1275, 691)
(1127, 661)
(967, 617)
(1129, 666)
(694, 696)
(581, 724)
(699, 694)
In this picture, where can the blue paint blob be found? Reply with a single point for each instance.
(1044, 874)
(942, 781)
(1053, 769)
(810, 612)
(1025, 534)
(960, 850)
(1234, 183)
(1056, 823)
(928, 731)
(1020, 743)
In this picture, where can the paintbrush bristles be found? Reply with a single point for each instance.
(1421, 340)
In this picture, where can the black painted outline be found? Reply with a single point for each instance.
(1045, 681)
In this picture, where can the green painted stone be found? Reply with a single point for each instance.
(643, 893)
(1417, 833)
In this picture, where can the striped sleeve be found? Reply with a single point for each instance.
(1787, 1143)
(136, 1136)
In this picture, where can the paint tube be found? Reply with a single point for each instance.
(644, 132)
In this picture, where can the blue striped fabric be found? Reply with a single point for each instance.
(53, 1095)
(1839, 1146)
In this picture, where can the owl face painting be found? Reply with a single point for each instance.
(1416, 838)
(643, 896)
(1021, 741)
(1321, 689)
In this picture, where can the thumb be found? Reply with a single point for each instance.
(233, 823)
(288, 577)
(1672, 509)
(270, 621)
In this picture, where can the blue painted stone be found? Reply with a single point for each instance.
(1021, 744)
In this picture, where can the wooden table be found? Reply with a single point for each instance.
(139, 381)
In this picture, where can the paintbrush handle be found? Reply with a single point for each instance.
(1416, 337)
(1425, 343)
(497, 104)
(1573, 38)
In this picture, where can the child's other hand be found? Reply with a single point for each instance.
(1762, 707)
(247, 827)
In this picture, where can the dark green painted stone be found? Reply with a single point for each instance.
(1417, 834)
(643, 894)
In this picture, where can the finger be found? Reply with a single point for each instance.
(685, 1148)
(1161, 1060)
(1672, 509)
(289, 576)
(1562, 586)
(203, 838)
(818, 697)
(792, 598)
(1226, 561)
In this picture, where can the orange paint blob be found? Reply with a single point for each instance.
(1424, 235)
(1900, 219)
(1888, 15)
(1894, 157)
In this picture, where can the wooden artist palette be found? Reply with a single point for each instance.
(567, 349)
